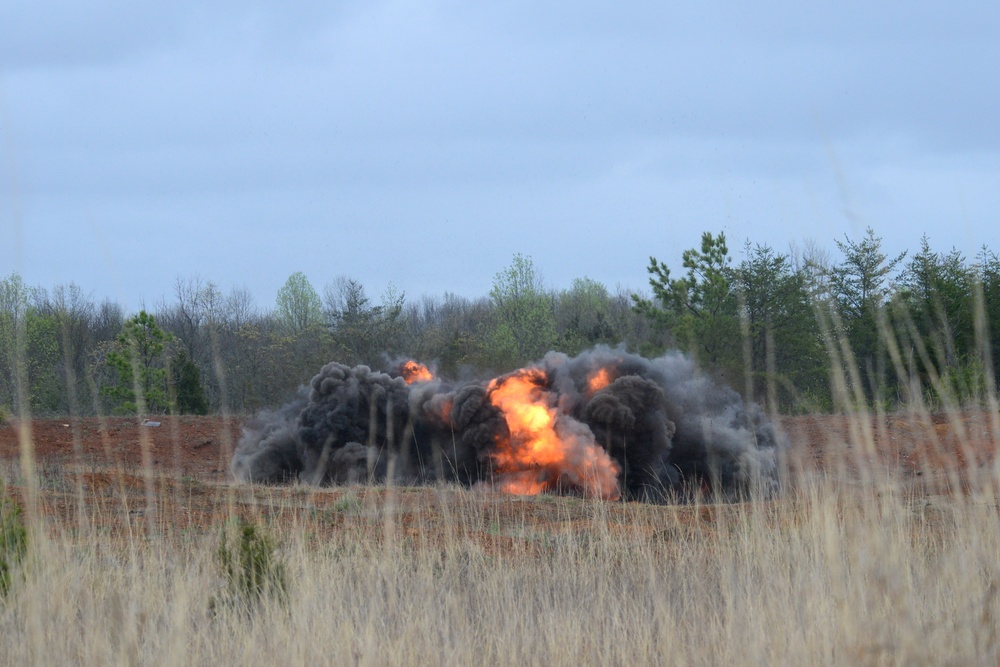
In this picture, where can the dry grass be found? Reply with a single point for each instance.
(828, 574)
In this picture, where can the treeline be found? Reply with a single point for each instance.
(797, 331)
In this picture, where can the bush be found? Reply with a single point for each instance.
(13, 541)
(251, 568)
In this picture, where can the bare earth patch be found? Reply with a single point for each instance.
(188, 488)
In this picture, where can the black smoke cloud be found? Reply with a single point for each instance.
(671, 430)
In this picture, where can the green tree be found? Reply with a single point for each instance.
(365, 332)
(139, 362)
(252, 569)
(45, 389)
(988, 270)
(74, 313)
(583, 316)
(14, 303)
(699, 309)
(861, 286)
(523, 316)
(187, 393)
(783, 349)
(29, 350)
(298, 304)
(936, 321)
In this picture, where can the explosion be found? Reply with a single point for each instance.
(539, 456)
(414, 371)
(604, 424)
(599, 380)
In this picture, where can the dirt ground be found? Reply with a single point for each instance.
(101, 465)
(196, 447)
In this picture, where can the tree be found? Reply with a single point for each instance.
(298, 304)
(187, 394)
(29, 349)
(260, 363)
(988, 308)
(784, 351)
(42, 362)
(861, 287)
(522, 312)
(14, 301)
(451, 331)
(191, 318)
(935, 309)
(365, 332)
(699, 309)
(583, 316)
(74, 313)
(139, 363)
(108, 321)
(814, 264)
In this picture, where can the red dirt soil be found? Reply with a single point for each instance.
(187, 485)
(199, 447)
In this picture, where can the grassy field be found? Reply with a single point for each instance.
(128, 571)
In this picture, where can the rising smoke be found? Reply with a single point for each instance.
(605, 423)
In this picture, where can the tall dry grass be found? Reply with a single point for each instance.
(822, 576)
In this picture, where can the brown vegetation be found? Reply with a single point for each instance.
(881, 551)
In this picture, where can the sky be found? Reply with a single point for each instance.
(422, 144)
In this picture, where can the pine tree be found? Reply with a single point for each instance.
(187, 392)
(699, 309)
(861, 286)
(138, 360)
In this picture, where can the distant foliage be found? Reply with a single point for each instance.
(942, 310)
(987, 311)
(792, 331)
(811, 329)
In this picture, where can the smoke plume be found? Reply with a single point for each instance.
(605, 424)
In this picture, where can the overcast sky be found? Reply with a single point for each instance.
(422, 144)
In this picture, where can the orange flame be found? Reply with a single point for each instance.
(413, 371)
(599, 380)
(546, 449)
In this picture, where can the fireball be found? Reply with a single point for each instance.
(413, 371)
(546, 449)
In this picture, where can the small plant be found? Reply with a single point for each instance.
(13, 541)
(348, 504)
(251, 568)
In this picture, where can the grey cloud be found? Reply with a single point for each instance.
(542, 117)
